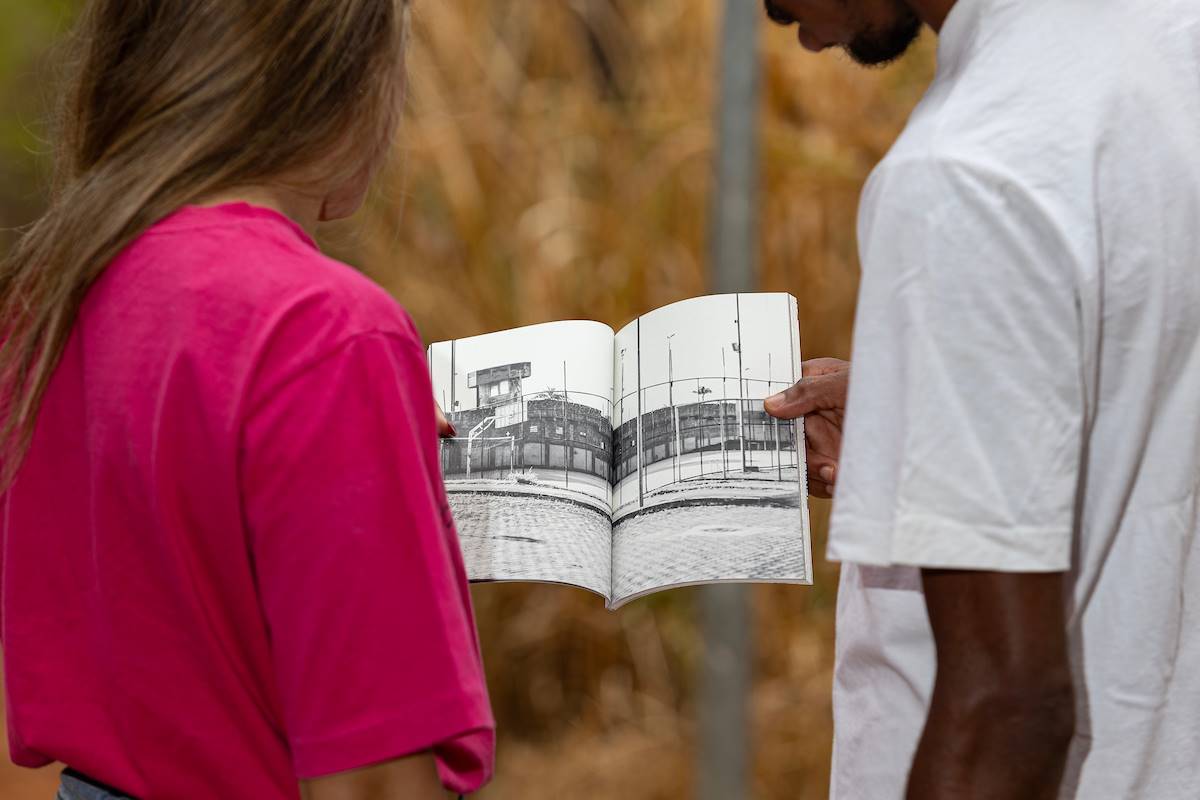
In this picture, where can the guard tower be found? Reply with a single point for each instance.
(498, 386)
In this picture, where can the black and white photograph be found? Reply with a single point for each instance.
(628, 462)
(528, 474)
(706, 485)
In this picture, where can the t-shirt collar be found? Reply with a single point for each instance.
(190, 216)
(957, 33)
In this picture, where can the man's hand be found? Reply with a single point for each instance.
(412, 778)
(1002, 713)
(819, 397)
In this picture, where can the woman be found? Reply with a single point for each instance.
(229, 569)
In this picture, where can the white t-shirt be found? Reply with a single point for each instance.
(1025, 391)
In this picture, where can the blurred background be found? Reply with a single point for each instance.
(557, 162)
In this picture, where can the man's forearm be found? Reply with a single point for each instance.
(1002, 712)
(999, 745)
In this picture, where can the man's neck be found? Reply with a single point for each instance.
(932, 12)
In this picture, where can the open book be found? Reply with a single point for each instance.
(632, 461)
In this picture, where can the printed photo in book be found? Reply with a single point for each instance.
(632, 461)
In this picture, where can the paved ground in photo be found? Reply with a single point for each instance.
(707, 464)
(586, 489)
(506, 537)
(696, 543)
(767, 483)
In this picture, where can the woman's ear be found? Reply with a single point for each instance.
(346, 198)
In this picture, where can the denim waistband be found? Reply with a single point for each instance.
(75, 786)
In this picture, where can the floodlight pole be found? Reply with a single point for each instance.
(566, 434)
(775, 422)
(723, 725)
(737, 304)
(671, 403)
(641, 466)
(724, 432)
(617, 438)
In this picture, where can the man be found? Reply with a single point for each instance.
(1016, 503)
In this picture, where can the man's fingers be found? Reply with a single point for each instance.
(817, 393)
(823, 366)
(822, 436)
(822, 469)
(804, 397)
(822, 446)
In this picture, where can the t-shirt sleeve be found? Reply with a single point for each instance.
(965, 419)
(358, 568)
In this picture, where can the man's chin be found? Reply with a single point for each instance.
(809, 42)
(877, 48)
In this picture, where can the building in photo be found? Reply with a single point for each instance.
(511, 432)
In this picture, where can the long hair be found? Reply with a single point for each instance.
(169, 101)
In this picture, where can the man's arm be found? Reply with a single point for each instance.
(1002, 713)
(414, 777)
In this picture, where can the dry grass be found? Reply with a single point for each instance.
(556, 164)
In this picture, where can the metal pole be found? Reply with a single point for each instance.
(671, 403)
(792, 326)
(737, 300)
(774, 422)
(566, 433)
(678, 443)
(723, 724)
(641, 473)
(724, 429)
(520, 462)
(617, 438)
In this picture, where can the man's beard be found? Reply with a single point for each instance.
(878, 46)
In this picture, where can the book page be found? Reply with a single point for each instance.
(707, 486)
(528, 474)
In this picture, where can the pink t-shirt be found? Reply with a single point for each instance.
(228, 560)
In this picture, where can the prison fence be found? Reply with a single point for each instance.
(713, 437)
(484, 457)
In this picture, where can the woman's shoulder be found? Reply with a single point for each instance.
(253, 269)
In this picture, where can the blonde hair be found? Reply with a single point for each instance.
(170, 101)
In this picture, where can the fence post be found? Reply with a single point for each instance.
(724, 736)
